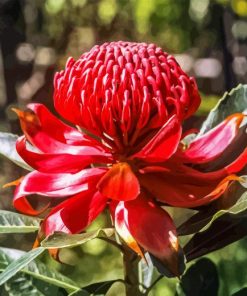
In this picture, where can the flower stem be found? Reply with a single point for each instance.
(130, 264)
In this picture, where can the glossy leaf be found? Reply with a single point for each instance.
(201, 279)
(36, 270)
(25, 285)
(203, 220)
(98, 289)
(19, 264)
(240, 206)
(7, 149)
(63, 240)
(222, 232)
(242, 292)
(11, 222)
(233, 102)
(243, 181)
(79, 293)
(195, 223)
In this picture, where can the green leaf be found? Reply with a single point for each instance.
(25, 285)
(233, 102)
(63, 240)
(40, 271)
(243, 181)
(240, 206)
(201, 279)
(19, 264)
(242, 292)
(203, 220)
(195, 223)
(37, 270)
(7, 149)
(79, 293)
(222, 232)
(97, 289)
(11, 222)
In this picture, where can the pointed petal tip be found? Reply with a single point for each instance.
(13, 183)
(237, 116)
(152, 229)
(209, 146)
(119, 183)
(26, 116)
(18, 112)
(36, 243)
(163, 144)
(172, 267)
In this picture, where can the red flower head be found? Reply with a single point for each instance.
(128, 101)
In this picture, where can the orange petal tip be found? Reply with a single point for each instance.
(13, 183)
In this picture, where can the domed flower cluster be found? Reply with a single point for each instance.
(128, 102)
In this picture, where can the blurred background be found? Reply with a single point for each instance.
(209, 40)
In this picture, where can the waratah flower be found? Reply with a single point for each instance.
(128, 102)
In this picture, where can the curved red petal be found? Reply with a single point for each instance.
(75, 214)
(49, 139)
(238, 164)
(120, 218)
(190, 190)
(210, 145)
(57, 185)
(164, 144)
(23, 205)
(56, 163)
(66, 134)
(119, 183)
(151, 227)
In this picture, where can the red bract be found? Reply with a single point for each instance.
(129, 101)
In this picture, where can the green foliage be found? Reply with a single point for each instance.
(97, 289)
(215, 229)
(25, 285)
(233, 102)
(19, 264)
(223, 231)
(201, 279)
(63, 240)
(13, 262)
(11, 222)
(204, 220)
(16, 264)
(7, 149)
(175, 25)
(242, 292)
